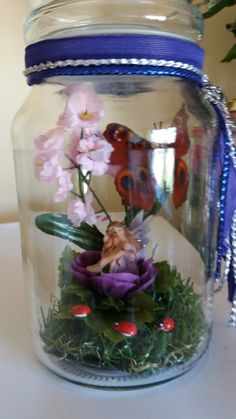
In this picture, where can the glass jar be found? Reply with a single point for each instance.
(115, 152)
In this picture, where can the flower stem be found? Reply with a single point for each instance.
(81, 185)
(75, 194)
(83, 178)
(96, 197)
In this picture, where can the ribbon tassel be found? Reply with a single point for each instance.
(226, 249)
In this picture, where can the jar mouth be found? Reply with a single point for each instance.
(61, 19)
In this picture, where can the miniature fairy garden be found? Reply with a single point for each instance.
(119, 306)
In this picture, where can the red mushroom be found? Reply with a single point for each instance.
(81, 311)
(167, 324)
(126, 328)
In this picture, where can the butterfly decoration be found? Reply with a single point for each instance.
(181, 146)
(130, 164)
(130, 159)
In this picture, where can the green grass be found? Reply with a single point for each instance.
(93, 342)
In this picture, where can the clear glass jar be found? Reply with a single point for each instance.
(117, 187)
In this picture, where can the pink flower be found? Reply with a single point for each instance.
(52, 140)
(76, 138)
(48, 169)
(73, 151)
(83, 109)
(79, 211)
(94, 155)
(64, 184)
(46, 166)
(50, 151)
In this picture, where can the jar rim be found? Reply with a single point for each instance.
(60, 18)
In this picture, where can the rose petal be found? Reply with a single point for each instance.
(107, 286)
(114, 284)
(88, 258)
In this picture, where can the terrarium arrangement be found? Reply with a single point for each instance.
(125, 168)
(114, 292)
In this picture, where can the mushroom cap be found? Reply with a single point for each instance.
(167, 324)
(126, 328)
(81, 310)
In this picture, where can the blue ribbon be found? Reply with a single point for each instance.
(119, 46)
(227, 203)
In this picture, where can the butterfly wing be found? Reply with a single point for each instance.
(136, 188)
(131, 156)
(124, 141)
(182, 145)
(181, 183)
(182, 142)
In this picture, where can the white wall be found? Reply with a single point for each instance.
(14, 88)
(217, 42)
(13, 92)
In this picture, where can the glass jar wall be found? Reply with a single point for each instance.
(116, 185)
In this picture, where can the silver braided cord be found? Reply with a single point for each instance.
(110, 61)
(232, 321)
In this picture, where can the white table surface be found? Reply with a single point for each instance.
(29, 391)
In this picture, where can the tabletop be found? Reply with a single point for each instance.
(29, 391)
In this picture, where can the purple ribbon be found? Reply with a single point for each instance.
(230, 205)
(107, 47)
(227, 206)
(115, 46)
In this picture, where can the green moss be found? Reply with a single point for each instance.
(93, 342)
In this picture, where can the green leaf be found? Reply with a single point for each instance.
(132, 212)
(65, 260)
(130, 215)
(64, 268)
(230, 56)
(157, 206)
(84, 293)
(232, 27)
(166, 279)
(85, 236)
(69, 286)
(144, 300)
(102, 323)
(145, 316)
(163, 340)
(98, 321)
(111, 303)
(64, 313)
(113, 335)
(220, 5)
(182, 332)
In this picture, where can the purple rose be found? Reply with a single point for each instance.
(114, 284)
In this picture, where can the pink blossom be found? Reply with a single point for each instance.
(83, 108)
(48, 169)
(79, 211)
(94, 155)
(50, 148)
(46, 166)
(76, 138)
(64, 184)
(52, 140)
(73, 151)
